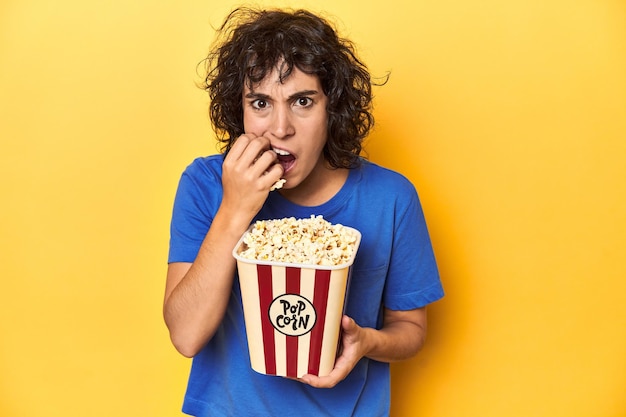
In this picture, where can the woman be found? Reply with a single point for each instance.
(290, 100)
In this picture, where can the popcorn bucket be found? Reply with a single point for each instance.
(293, 313)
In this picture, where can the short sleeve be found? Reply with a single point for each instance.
(198, 197)
(413, 278)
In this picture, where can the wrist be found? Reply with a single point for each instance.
(371, 342)
(230, 222)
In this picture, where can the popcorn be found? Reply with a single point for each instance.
(278, 184)
(312, 241)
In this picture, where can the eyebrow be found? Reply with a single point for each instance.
(295, 95)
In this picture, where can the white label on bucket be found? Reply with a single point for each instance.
(292, 314)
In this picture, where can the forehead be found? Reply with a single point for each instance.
(297, 80)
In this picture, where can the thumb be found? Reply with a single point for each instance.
(348, 324)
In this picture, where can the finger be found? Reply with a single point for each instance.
(265, 157)
(348, 324)
(274, 174)
(316, 381)
(240, 145)
(247, 149)
(266, 165)
(333, 378)
(255, 149)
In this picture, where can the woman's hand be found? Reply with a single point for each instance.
(248, 172)
(353, 348)
(400, 338)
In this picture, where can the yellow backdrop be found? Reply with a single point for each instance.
(509, 116)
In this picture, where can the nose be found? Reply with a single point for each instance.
(281, 125)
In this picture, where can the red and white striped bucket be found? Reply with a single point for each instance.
(293, 314)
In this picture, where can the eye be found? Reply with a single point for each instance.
(304, 101)
(259, 104)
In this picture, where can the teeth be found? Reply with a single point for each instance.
(280, 151)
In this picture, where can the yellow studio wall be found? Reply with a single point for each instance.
(509, 117)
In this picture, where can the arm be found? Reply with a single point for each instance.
(196, 294)
(401, 337)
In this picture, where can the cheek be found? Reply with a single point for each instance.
(322, 132)
(252, 125)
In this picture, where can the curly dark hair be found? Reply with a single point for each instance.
(251, 43)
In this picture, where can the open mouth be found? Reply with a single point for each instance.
(285, 159)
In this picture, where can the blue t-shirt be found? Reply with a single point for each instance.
(394, 268)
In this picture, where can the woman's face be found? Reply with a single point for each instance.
(292, 115)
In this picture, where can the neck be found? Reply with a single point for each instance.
(318, 188)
